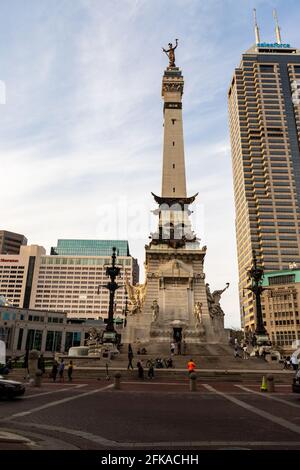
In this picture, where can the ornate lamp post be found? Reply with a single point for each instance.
(112, 271)
(125, 310)
(256, 274)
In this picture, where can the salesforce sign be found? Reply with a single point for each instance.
(274, 45)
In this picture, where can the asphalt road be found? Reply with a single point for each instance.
(153, 415)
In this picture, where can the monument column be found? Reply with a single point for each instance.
(173, 179)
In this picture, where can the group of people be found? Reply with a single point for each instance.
(291, 361)
(59, 368)
(239, 349)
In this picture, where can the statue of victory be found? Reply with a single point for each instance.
(171, 54)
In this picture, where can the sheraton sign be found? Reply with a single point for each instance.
(3, 260)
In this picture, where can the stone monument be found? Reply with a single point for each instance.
(175, 303)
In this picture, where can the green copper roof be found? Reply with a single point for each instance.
(90, 247)
(287, 272)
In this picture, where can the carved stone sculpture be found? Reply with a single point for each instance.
(213, 300)
(155, 310)
(198, 313)
(136, 296)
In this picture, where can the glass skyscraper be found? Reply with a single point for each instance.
(264, 116)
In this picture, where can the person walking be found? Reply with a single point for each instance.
(191, 366)
(173, 348)
(130, 357)
(287, 363)
(70, 371)
(236, 351)
(61, 369)
(25, 364)
(140, 370)
(151, 372)
(179, 348)
(54, 370)
(295, 362)
(245, 352)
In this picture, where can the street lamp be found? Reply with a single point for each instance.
(112, 271)
(256, 274)
(126, 309)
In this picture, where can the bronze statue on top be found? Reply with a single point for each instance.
(171, 54)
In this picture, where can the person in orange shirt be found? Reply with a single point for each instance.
(191, 366)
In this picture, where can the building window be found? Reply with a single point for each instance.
(287, 279)
(34, 339)
(19, 345)
(72, 339)
(53, 341)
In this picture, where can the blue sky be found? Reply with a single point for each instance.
(81, 128)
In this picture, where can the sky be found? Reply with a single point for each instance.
(81, 118)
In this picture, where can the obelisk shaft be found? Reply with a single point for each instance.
(173, 180)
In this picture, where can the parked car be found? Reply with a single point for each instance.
(10, 388)
(296, 382)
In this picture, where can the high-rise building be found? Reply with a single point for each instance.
(11, 242)
(72, 281)
(264, 116)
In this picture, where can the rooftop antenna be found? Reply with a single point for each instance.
(256, 28)
(277, 28)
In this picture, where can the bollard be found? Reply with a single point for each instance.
(38, 378)
(271, 386)
(117, 384)
(193, 382)
(264, 387)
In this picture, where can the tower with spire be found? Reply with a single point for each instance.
(177, 303)
(264, 119)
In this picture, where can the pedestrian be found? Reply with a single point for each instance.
(287, 363)
(54, 370)
(245, 352)
(41, 363)
(173, 348)
(295, 362)
(130, 357)
(151, 372)
(179, 348)
(70, 371)
(61, 369)
(236, 351)
(25, 364)
(191, 366)
(169, 363)
(140, 370)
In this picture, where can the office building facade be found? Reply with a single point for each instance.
(74, 284)
(47, 332)
(264, 118)
(281, 308)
